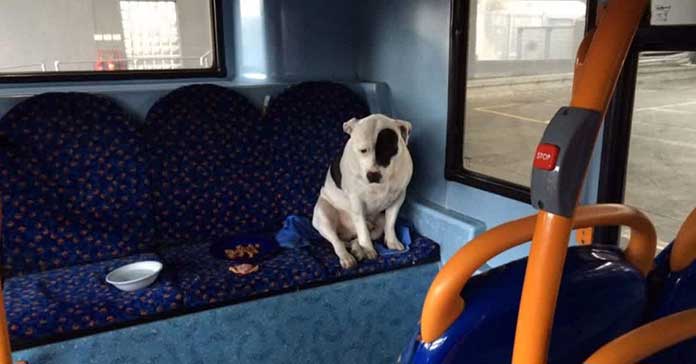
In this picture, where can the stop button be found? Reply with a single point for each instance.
(546, 156)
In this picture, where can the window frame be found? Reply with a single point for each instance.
(217, 70)
(456, 115)
(618, 121)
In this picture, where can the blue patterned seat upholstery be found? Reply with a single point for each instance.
(207, 165)
(80, 199)
(422, 250)
(206, 280)
(74, 188)
(257, 171)
(306, 135)
(74, 300)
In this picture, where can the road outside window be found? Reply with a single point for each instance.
(520, 66)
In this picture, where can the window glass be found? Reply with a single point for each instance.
(521, 56)
(105, 35)
(662, 156)
(251, 51)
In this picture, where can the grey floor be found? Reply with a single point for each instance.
(504, 124)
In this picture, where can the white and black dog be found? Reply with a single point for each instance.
(365, 188)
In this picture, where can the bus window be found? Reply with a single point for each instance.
(519, 71)
(105, 36)
(662, 157)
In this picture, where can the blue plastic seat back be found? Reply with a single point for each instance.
(672, 292)
(305, 132)
(74, 184)
(601, 297)
(208, 167)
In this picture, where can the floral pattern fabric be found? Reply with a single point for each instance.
(79, 199)
(206, 164)
(73, 183)
(73, 300)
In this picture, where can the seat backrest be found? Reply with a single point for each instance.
(219, 168)
(207, 165)
(306, 123)
(74, 185)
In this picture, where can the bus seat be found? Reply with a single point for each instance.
(673, 288)
(306, 135)
(266, 167)
(203, 144)
(71, 301)
(73, 183)
(592, 276)
(76, 203)
(86, 189)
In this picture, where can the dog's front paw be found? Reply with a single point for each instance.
(347, 261)
(356, 250)
(394, 244)
(370, 253)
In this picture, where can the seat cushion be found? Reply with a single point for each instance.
(206, 280)
(422, 250)
(305, 132)
(206, 165)
(73, 181)
(60, 303)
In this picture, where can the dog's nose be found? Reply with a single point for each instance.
(374, 177)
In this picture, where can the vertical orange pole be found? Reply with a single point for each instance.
(600, 59)
(541, 283)
(5, 350)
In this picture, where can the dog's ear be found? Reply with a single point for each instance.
(349, 125)
(405, 129)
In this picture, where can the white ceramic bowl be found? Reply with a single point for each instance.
(134, 276)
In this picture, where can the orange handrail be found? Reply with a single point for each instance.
(647, 340)
(684, 247)
(603, 52)
(443, 304)
(542, 280)
(600, 59)
(5, 349)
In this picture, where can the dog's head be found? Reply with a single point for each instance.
(376, 141)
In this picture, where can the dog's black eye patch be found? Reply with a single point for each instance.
(336, 174)
(386, 147)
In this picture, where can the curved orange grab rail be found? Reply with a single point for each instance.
(443, 304)
(684, 247)
(647, 340)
